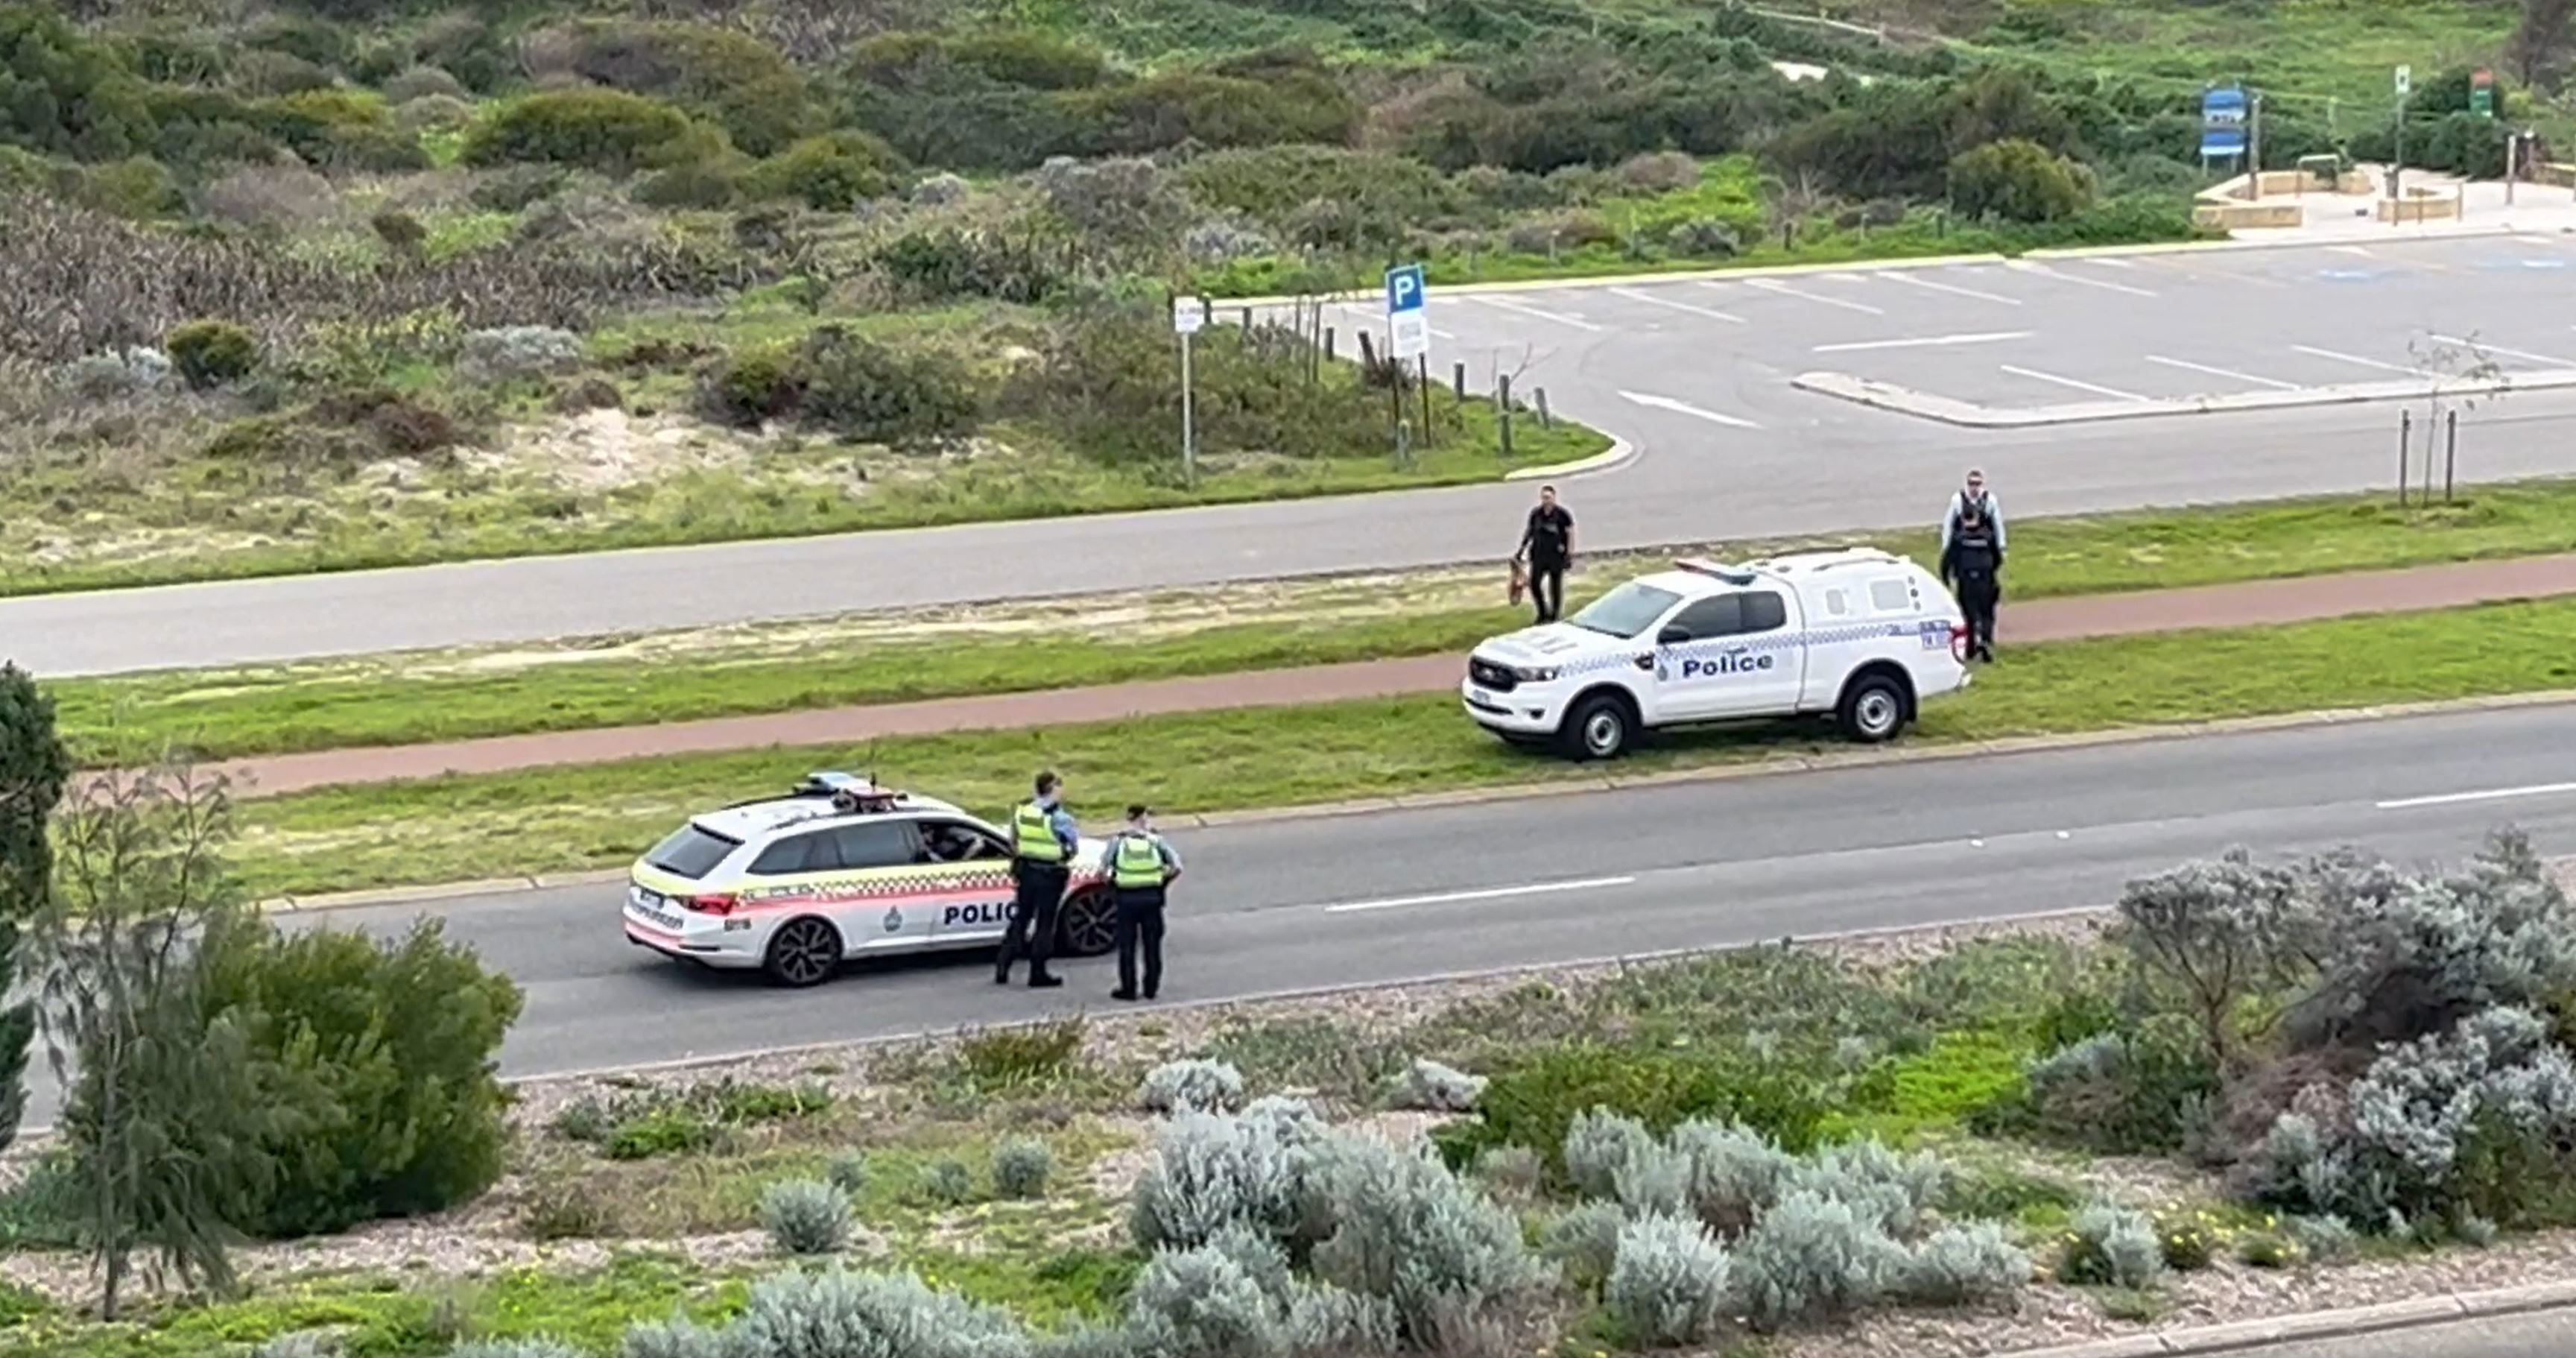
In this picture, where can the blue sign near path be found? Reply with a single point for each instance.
(1403, 289)
(2222, 123)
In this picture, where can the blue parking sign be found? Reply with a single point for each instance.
(1403, 289)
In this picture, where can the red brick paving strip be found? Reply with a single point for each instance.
(2257, 603)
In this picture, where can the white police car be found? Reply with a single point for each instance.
(836, 869)
(1857, 633)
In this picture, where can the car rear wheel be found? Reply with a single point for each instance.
(1873, 709)
(1599, 727)
(804, 952)
(1087, 924)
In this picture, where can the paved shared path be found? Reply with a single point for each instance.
(2254, 603)
(1695, 375)
(1391, 896)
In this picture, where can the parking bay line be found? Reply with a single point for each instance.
(2105, 284)
(2551, 360)
(1684, 407)
(2489, 795)
(1526, 310)
(1900, 276)
(2364, 362)
(2035, 374)
(1928, 341)
(2222, 372)
(1485, 894)
(1651, 300)
(1785, 290)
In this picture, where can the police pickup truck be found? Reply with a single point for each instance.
(1858, 633)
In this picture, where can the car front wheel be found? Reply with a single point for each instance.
(804, 952)
(1087, 924)
(1599, 727)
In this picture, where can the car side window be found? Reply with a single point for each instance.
(1714, 617)
(797, 853)
(1890, 596)
(948, 841)
(1763, 612)
(874, 844)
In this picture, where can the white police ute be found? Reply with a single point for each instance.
(1857, 633)
(841, 868)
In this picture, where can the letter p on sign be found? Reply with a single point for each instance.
(1403, 289)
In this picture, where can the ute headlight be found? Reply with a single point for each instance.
(1535, 674)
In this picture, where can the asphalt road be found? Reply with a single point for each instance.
(2543, 1334)
(1695, 375)
(1384, 898)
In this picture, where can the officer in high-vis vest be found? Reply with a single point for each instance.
(1043, 840)
(1141, 866)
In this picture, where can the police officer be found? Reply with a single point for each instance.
(1972, 565)
(1043, 840)
(1141, 866)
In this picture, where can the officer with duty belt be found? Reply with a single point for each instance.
(1043, 841)
(1141, 866)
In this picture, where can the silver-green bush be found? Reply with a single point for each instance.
(1894, 1191)
(949, 1183)
(868, 1315)
(1260, 1258)
(1669, 1286)
(1735, 1172)
(1583, 1242)
(1402, 1227)
(1328, 1322)
(1210, 1172)
(848, 1172)
(675, 1338)
(1655, 1181)
(1434, 1088)
(2326, 1239)
(1021, 1167)
(1976, 1261)
(1813, 1258)
(1597, 1145)
(514, 1348)
(302, 1344)
(1192, 1086)
(2113, 1246)
(1198, 1303)
(805, 1216)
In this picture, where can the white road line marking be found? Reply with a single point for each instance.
(2364, 362)
(1488, 894)
(2485, 348)
(1785, 290)
(2362, 251)
(1652, 300)
(1527, 310)
(2071, 382)
(2490, 795)
(1900, 276)
(1847, 277)
(1668, 403)
(2112, 263)
(2221, 372)
(1925, 342)
(2106, 285)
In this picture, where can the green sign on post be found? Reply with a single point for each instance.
(2482, 94)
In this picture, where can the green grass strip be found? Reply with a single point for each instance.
(588, 816)
(385, 700)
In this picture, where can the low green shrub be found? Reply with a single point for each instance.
(2112, 1247)
(830, 173)
(1005, 1058)
(805, 1216)
(606, 130)
(1535, 1103)
(212, 353)
(1021, 1167)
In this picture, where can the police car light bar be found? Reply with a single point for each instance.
(1700, 565)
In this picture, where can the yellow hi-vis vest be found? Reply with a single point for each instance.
(1137, 865)
(1033, 835)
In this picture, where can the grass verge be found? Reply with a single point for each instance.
(577, 685)
(593, 815)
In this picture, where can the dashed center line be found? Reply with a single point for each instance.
(1899, 276)
(1925, 342)
(1652, 300)
(2114, 263)
(2103, 283)
(1785, 290)
(2362, 251)
(1488, 894)
(2488, 795)
(1685, 408)
(2221, 372)
(1527, 310)
(2038, 376)
(2485, 348)
(2358, 359)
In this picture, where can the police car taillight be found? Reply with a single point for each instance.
(1959, 642)
(710, 905)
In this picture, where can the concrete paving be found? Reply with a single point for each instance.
(1381, 898)
(2544, 1334)
(1695, 374)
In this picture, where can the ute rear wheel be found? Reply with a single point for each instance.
(1872, 710)
(804, 952)
(1087, 924)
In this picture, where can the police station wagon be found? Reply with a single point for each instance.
(836, 869)
(1858, 633)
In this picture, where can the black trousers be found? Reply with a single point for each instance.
(1140, 921)
(1547, 587)
(1978, 596)
(1040, 889)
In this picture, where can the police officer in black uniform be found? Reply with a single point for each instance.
(1972, 566)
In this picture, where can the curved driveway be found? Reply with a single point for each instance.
(1726, 449)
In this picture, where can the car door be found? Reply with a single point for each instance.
(1734, 655)
(971, 869)
(887, 904)
(1687, 668)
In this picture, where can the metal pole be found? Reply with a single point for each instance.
(2397, 170)
(1458, 380)
(2450, 453)
(1503, 411)
(1429, 434)
(2427, 497)
(2254, 148)
(2405, 440)
(1189, 423)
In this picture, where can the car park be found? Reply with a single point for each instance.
(1855, 633)
(837, 869)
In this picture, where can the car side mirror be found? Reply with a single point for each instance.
(1672, 636)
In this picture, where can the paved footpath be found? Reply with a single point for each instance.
(2256, 603)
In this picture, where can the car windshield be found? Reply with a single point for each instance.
(691, 852)
(1626, 611)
